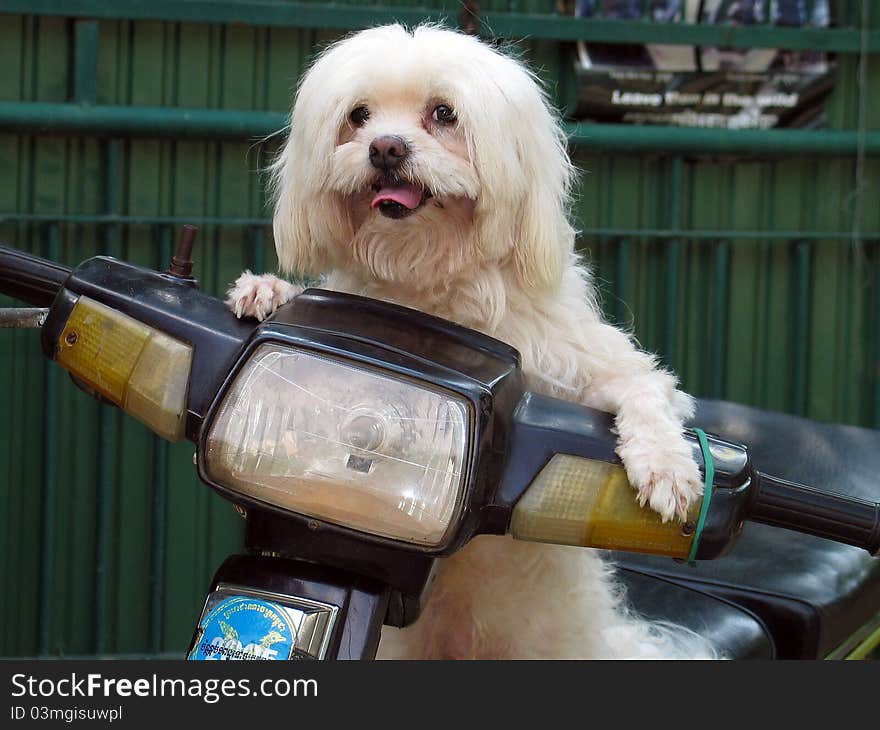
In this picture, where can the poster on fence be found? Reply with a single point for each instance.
(703, 86)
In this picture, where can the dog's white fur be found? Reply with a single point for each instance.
(493, 249)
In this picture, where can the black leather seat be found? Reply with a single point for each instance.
(735, 632)
(810, 594)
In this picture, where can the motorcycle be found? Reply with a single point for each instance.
(363, 442)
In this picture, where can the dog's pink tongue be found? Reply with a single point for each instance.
(409, 196)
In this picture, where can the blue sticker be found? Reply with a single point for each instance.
(242, 627)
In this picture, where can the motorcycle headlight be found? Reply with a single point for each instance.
(362, 448)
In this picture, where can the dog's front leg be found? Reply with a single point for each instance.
(649, 414)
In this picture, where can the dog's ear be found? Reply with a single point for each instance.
(543, 238)
(527, 177)
(307, 220)
(299, 249)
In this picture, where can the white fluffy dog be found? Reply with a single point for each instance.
(427, 169)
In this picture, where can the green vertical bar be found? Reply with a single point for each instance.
(672, 261)
(106, 417)
(848, 351)
(874, 370)
(50, 423)
(621, 281)
(106, 453)
(159, 530)
(762, 363)
(111, 193)
(802, 297)
(258, 252)
(85, 61)
(718, 335)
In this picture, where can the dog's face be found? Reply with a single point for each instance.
(415, 157)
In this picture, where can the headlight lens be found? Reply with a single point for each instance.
(348, 445)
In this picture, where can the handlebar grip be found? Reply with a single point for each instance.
(30, 278)
(832, 516)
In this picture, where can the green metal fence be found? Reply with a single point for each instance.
(750, 260)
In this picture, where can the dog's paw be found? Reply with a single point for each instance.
(258, 296)
(667, 479)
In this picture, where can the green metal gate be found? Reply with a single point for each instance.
(750, 259)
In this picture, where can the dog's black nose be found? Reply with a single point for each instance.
(388, 152)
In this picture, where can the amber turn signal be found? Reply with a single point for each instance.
(578, 501)
(140, 369)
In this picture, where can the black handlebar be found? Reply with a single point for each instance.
(30, 278)
(824, 514)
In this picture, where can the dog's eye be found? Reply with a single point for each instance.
(359, 115)
(443, 114)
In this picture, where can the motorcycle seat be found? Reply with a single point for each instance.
(812, 596)
(734, 631)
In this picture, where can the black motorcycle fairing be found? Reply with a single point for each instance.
(404, 344)
(407, 574)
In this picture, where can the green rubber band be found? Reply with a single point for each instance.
(707, 493)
